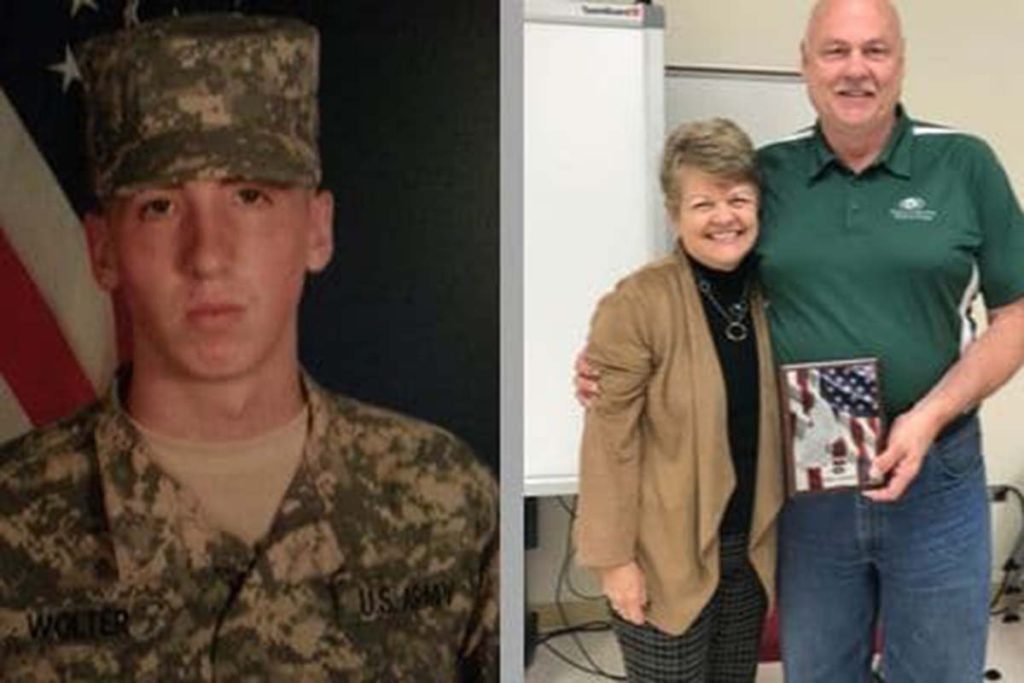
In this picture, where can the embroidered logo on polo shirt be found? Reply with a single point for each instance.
(912, 209)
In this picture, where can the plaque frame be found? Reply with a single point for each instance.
(833, 424)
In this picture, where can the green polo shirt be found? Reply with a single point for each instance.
(886, 262)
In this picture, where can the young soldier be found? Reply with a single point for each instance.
(219, 515)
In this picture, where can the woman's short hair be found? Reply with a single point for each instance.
(717, 147)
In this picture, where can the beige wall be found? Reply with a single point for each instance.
(762, 33)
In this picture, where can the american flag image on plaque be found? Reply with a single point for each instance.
(833, 424)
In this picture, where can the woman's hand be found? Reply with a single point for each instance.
(626, 590)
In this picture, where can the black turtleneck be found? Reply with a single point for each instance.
(739, 370)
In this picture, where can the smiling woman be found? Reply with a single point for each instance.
(684, 431)
(710, 189)
(717, 223)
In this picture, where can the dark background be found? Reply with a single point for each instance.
(406, 315)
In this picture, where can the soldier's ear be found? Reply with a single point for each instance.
(101, 250)
(321, 235)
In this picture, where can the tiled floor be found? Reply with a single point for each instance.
(1005, 656)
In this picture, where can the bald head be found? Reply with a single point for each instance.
(823, 9)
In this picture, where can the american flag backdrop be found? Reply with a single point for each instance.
(58, 347)
(836, 417)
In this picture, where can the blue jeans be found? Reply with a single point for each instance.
(918, 568)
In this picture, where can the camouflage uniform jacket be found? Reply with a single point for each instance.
(381, 564)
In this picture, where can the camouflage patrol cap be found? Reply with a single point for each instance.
(202, 96)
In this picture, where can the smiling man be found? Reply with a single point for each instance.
(878, 231)
(219, 515)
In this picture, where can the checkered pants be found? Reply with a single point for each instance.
(719, 647)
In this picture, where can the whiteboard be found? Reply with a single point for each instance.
(593, 125)
(592, 205)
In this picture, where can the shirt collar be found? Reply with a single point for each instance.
(157, 527)
(303, 543)
(895, 156)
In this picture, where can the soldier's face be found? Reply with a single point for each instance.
(212, 273)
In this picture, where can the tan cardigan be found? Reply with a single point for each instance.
(655, 468)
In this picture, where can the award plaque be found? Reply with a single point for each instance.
(833, 424)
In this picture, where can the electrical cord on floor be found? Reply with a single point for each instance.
(591, 667)
(1011, 567)
(571, 511)
(998, 595)
(598, 626)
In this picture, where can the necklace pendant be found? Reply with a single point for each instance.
(736, 331)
